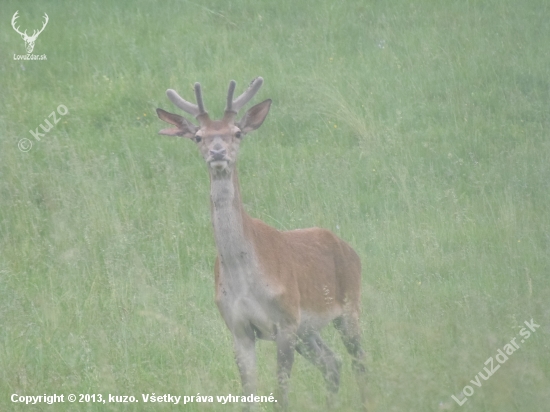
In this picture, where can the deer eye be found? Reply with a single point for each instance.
(239, 134)
(197, 138)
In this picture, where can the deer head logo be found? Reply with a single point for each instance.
(29, 40)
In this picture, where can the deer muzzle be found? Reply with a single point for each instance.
(217, 154)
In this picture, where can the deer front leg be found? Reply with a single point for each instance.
(245, 355)
(286, 344)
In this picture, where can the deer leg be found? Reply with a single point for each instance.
(245, 356)
(286, 344)
(314, 349)
(348, 326)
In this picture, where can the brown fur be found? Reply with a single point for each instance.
(280, 286)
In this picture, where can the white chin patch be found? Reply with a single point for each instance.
(218, 164)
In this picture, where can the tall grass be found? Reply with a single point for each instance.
(416, 131)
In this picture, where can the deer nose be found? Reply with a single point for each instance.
(217, 153)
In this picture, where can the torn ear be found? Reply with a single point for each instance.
(183, 127)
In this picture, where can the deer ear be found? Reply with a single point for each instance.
(183, 126)
(255, 116)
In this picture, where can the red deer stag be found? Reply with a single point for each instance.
(273, 285)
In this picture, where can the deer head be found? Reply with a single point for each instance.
(29, 40)
(218, 140)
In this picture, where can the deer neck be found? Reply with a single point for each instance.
(232, 225)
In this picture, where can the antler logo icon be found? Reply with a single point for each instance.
(29, 40)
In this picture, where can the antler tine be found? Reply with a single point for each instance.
(45, 23)
(193, 109)
(198, 95)
(244, 98)
(13, 22)
(229, 105)
(183, 104)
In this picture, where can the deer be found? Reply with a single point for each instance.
(281, 286)
(29, 40)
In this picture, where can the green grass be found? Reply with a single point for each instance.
(417, 131)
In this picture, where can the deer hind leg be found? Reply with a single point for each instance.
(348, 326)
(315, 350)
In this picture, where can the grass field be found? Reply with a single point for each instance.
(416, 131)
